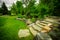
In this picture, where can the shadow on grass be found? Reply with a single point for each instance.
(2, 32)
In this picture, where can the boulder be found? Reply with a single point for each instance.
(32, 30)
(42, 36)
(23, 33)
(28, 21)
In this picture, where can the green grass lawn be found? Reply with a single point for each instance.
(9, 28)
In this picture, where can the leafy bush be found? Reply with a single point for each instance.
(20, 16)
(43, 9)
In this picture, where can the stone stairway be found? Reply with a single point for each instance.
(39, 26)
(39, 29)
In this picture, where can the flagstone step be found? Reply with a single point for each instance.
(44, 23)
(23, 33)
(36, 27)
(44, 27)
(33, 31)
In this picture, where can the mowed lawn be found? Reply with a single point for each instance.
(9, 28)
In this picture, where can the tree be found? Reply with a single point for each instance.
(14, 10)
(42, 10)
(17, 8)
(26, 2)
(0, 11)
(54, 6)
(30, 8)
(4, 9)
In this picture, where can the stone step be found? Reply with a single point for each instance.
(34, 26)
(44, 27)
(43, 36)
(33, 31)
(38, 22)
(40, 26)
(54, 17)
(23, 33)
(53, 21)
(50, 20)
(43, 23)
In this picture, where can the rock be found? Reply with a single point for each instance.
(38, 21)
(28, 21)
(18, 18)
(50, 20)
(34, 32)
(36, 27)
(23, 33)
(42, 36)
(45, 28)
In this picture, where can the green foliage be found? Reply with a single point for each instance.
(43, 9)
(53, 6)
(17, 8)
(30, 9)
(21, 16)
(56, 11)
(13, 10)
(33, 19)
